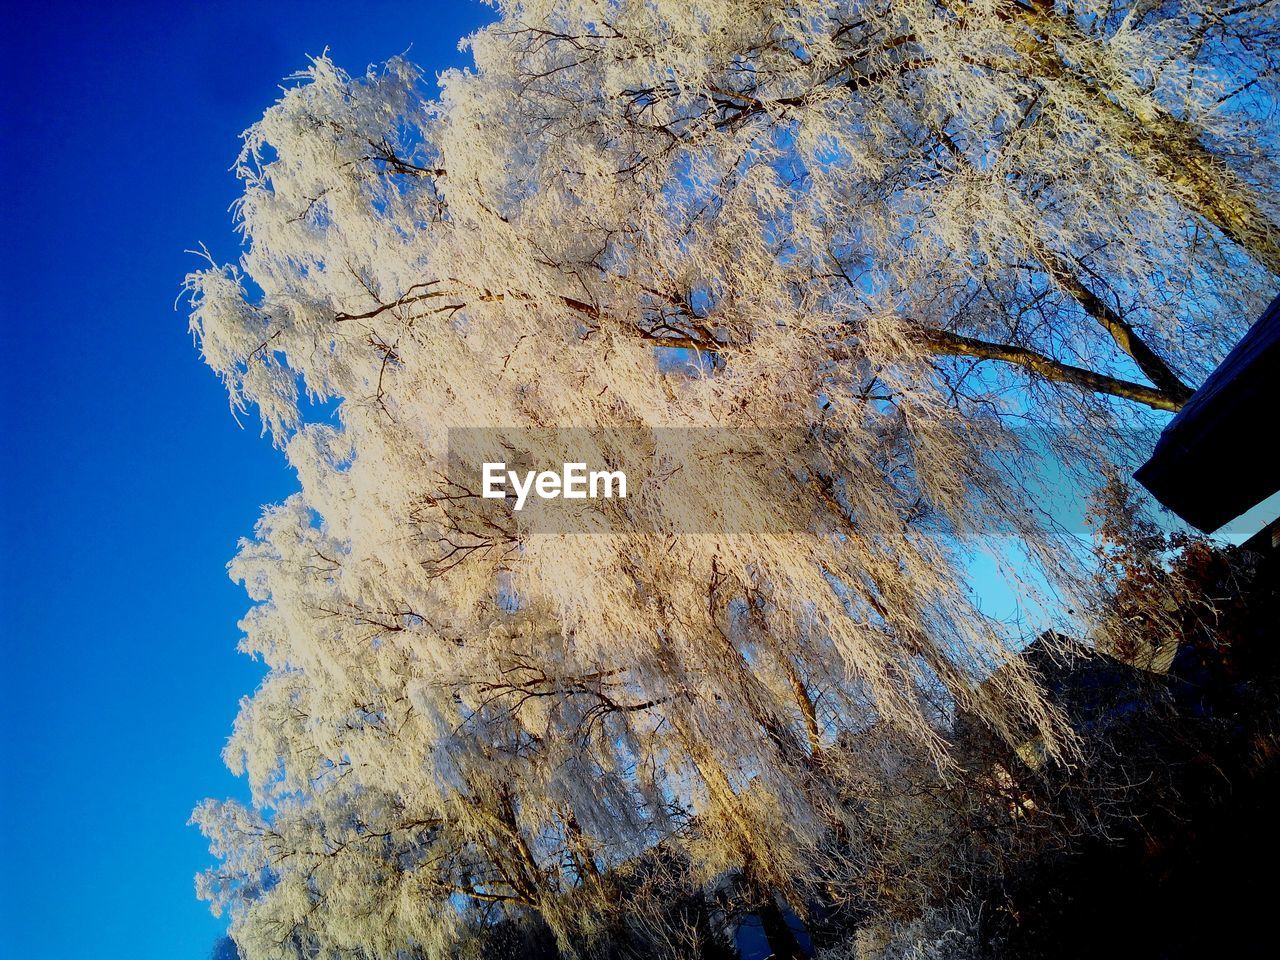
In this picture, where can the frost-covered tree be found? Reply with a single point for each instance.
(896, 229)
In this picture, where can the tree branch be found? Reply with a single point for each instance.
(954, 344)
(1119, 329)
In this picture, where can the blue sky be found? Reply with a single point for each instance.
(124, 481)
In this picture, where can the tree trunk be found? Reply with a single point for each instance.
(782, 941)
(1172, 148)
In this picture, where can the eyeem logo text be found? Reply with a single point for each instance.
(573, 482)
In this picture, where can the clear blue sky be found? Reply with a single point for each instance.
(124, 481)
